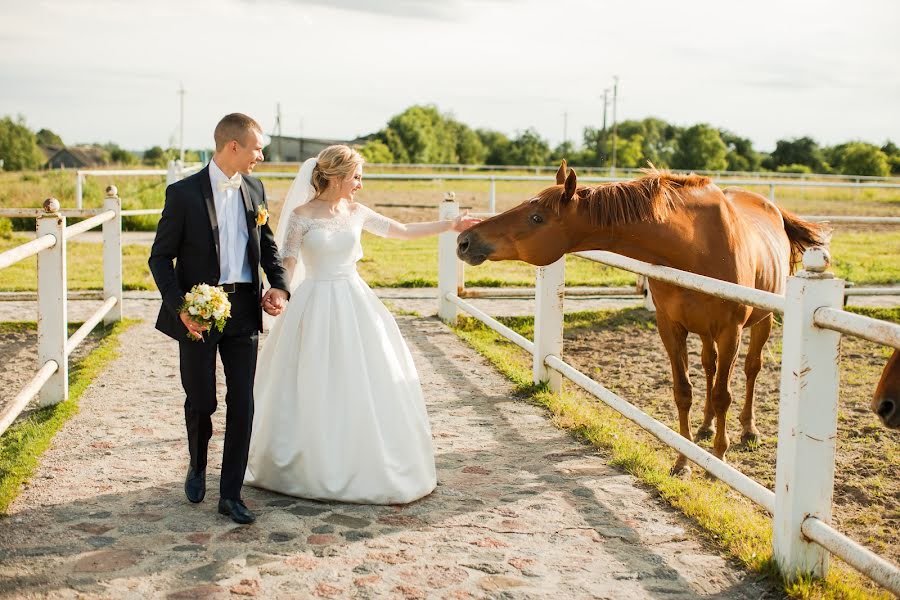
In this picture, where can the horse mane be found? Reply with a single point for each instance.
(648, 199)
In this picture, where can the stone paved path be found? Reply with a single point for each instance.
(522, 509)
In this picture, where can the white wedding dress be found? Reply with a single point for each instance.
(339, 409)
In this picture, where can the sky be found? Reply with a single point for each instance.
(110, 70)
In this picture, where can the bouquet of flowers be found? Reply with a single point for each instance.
(208, 305)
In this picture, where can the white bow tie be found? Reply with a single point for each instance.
(234, 183)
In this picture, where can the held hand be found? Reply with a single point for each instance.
(195, 329)
(463, 222)
(273, 301)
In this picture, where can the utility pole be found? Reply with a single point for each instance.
(605, 105)
(615, 124)
(301, 139)
(181, 120)
(565, 127)
(278, 132)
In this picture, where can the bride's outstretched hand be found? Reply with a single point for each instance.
(463, 222)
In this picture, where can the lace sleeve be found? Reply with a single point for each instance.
(376, 223)
(294, 238)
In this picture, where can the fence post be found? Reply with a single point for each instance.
(548, 321)
(112, 255)
(171, 173)
(772, 192)
(807, 421)
(448, 272)
(492, 198)
(79, 189)
(52, 322)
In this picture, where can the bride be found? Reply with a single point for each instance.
(339, 409)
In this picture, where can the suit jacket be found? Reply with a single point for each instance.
(188, 233)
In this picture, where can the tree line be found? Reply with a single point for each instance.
(20, 149)
(422, 134)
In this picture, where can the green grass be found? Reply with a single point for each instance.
(84, 267)
(397, 263)
(23, 443)
(866, 257)
(730, 521)
(29, 189)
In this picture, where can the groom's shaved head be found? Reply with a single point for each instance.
(235, 126)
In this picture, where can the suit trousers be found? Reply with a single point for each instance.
(237, 346)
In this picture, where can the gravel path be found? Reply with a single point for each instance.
(522, 509)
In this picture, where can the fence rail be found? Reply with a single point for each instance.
(50, 383)
(176, 171)
(813, 322)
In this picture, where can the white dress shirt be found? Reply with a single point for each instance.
(234, 262)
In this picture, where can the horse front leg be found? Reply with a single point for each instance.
(728, 343)
(674, 338)
(759, 335)
(708, 356)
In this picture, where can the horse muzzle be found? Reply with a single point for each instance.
(889, 412)
(472, 249)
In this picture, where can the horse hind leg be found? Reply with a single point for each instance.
(674, 338)
(709, 357)
(759, 335)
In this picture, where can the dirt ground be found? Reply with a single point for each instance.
(624, 353)
(18, 357)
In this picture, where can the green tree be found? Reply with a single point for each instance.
(155, 156)
(529, 148)
(45, 137)
(630, 152)
(18, 146)
(469, 148)
(860, 158)
(893, 154)
(498, 146)
(395, 145)
(700, 148)
(376, 151)
(800, 151)
(119, 156)
(425, 134)
(741, 155)
(658, 143)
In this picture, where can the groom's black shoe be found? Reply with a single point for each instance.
(237, 510)
(195, 485)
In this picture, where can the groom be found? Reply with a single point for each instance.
(214, 226)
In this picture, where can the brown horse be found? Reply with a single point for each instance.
(886, 402)
(680, 221)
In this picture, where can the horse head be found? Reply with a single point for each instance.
(886, 402)
(535, 231)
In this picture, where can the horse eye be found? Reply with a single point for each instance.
(536, 218)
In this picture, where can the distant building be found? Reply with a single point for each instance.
(77, 157)
(49, 151)
(293, 149)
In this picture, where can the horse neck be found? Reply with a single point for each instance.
(657, 243)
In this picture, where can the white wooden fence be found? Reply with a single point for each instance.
(50, 383)
(813, 323)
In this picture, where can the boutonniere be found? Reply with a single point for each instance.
(262, 217)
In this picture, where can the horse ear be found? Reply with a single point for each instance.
(571, 184)
(561, 174)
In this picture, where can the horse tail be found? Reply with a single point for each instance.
(803, 234)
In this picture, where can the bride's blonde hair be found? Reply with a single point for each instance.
(334, 163)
